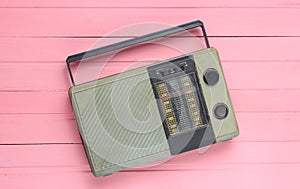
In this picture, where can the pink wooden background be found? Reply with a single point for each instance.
(259, 44)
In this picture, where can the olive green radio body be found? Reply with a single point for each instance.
(153, 112)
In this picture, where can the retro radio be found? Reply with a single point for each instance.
(152, 112)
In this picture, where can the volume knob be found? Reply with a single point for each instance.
(211, 76)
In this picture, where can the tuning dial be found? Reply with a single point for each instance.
(220, 111)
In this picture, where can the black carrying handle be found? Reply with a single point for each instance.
(134, 41)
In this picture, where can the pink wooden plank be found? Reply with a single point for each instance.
(280, 126)
(73, 155)
(61, 128)
(38, 128)
(53, 76)
(45, 50)
(148, 3)
(255, 159)
(58, 102)
(265, 100)
(38, 102)
(269, 75)
(82, 22)
(18, 76)
(231, 176)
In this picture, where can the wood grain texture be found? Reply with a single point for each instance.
(72, 155)
(58, 102)
(53, 76)
(147, 4)
(254, 49)
(220, 22)
(258, 42)
(246, 176)
(62, 129)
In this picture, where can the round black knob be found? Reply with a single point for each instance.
(211, 76)
(220, 111)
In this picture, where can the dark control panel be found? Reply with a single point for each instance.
(182, 106)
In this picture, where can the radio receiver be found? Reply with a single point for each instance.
(169, 107)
